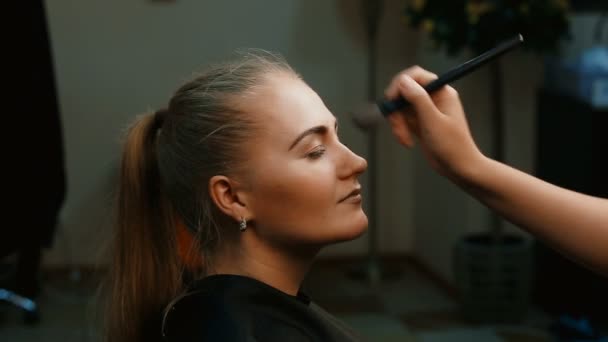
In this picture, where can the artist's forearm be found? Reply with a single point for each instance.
(574, 223)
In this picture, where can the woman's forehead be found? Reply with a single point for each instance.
(289, 106)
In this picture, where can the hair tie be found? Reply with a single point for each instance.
(159, 118)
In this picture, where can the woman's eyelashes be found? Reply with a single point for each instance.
(320, 150)
(317, 152)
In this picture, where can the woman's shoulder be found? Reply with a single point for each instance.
(232, 308)
(235, 308)
(204, 316)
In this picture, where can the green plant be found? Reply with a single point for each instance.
(480, 24)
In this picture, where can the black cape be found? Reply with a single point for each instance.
(237, 308)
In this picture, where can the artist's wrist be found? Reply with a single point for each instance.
(470, 172)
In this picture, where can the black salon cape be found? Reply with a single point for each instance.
(233, 308)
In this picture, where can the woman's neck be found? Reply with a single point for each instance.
(273, 266)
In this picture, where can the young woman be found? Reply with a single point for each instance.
(246, 159)
(228, 194)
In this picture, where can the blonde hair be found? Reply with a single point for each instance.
(167, 161)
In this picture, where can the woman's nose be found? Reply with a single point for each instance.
(353, 164)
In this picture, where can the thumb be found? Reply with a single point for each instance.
(415, 94)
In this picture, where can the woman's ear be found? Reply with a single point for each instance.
(224, 193)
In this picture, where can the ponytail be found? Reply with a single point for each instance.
(145, 272)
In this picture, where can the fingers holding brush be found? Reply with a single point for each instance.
(416, 72)
(437, 121)
(404, 130)
(405, 127)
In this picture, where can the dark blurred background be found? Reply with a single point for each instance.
(103, 62)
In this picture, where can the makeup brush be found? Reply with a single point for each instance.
(370, 115)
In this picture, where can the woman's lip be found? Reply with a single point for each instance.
(353, 193)
(353, 199)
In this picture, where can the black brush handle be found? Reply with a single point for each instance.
(389, 106)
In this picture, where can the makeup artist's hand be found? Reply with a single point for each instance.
(575, 223)
(437, 121)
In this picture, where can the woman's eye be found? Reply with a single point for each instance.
(316, 153)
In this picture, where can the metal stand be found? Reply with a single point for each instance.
(372, 271)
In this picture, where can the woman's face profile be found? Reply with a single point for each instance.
(302, 178)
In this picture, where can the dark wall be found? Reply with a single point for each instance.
(572, 153)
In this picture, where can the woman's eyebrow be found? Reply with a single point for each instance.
(313, 130)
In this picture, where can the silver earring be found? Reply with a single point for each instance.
(243, 225)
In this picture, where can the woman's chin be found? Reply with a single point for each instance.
(356, 228)
(363, 227)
